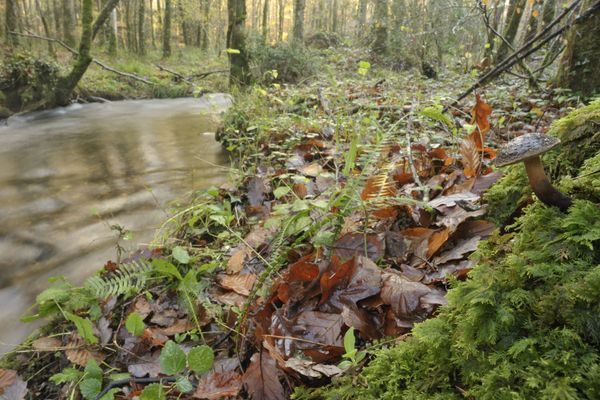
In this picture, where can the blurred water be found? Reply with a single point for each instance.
(67, 174)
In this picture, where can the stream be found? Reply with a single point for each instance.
(67, 175)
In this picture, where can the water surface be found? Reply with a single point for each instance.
(67, 175)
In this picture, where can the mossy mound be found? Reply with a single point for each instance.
(579, 132)
(526, 324)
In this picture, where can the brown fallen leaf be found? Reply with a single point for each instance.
(402, 295)
(261, 378)
(237, 259)
(458, 251)
(77, 352)
(311, 170)
(451, 200)
(320, 327)
(218, 385)
(241, 284)
(436, 241)
(46, 344)
(148, 365)
(12, 386)
(312, 369)
(231, 299)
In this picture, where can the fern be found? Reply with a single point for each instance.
(127, 279)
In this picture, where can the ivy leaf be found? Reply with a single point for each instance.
(172, 358)
(84, 327)
(153, 391)
(135, 324)
(181, 255)
(200, 359)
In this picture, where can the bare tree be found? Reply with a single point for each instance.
(298, 31)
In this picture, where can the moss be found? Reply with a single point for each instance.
(526, 325)
(579, 132)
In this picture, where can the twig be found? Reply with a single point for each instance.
(75, 52)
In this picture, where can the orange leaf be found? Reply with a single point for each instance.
(437, 240)
(336, 274)
(480, 113)
(438, 153)
(470, 157)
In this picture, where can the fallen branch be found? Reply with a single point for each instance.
(177, 74)
(75, 52)
(203, 75)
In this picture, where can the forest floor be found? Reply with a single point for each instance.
(354, 202)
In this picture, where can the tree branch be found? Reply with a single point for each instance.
(103, 16)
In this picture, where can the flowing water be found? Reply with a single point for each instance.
(67, 175)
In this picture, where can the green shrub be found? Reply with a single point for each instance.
(283, 63)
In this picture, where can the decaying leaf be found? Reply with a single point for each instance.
(261, 379)
(77, 352)
(241, 283)
(47, 343)
(402, 295)
(312, 369)
(12, 386)
(218, 385)
(320, 327)
(480, 113)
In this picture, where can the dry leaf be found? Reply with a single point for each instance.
(46, 344)
(261, 379)
(470, 157)
(241, 284)
(236, 261)
(320, 327)
(77, 353)
(218, 385)
(12, 386)
(402, 295)
(312, 369)
(480, 113)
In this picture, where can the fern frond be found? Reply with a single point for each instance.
(129, 278)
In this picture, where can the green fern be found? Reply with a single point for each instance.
(127, 279)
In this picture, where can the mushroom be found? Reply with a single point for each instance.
(528, 148)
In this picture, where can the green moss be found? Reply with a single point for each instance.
(579, 132)
(526, 325)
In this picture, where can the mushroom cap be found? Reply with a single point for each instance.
(523, 147)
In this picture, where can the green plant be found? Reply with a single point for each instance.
(352, 357)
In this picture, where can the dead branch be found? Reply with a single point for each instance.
(75, 52)
(177, 74)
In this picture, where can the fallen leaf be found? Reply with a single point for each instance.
(452, 199)
(470, 157)
(352, 244)
(436, 241)
(148, 365)
(46, 344)
(77, 353)
(236, 261)
(312, 369)
(458, 251)
(12, 386)
(312, 170)
(218, 385)
(261, 378)
(241, 284)
(480, 113)
(402, 295)
(256, 189)
(324, 328)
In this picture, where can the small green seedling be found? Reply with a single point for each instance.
(352, 357)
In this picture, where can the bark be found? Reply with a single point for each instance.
(298, 31)
(236, 41)
(515, 12)
(113, 33)
(204, 33)
(141, 27)
(69, 22)
(265, 21)
(380, 30)
(10, 22)
(56, 14)
(334, 16)
(578, 68)
(281, 19)
(167, 29)
(89, 28)
(151, 25)
(45, 25)
(362, 16)
(548, 13)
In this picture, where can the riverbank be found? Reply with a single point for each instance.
(355, 203)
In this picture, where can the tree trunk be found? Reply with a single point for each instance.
(280, 20)
(265, 21)
(239, 71)
(205, 19)
(515, 12)
(66, 85)
(56, 11)
(578, 68)
(69, 22)
(46, 27)
(334, 16)
(113, 34)
(380, 30)
(298, 31)
(141, 25)
(361, 17)
(10, 22)
(167, 29)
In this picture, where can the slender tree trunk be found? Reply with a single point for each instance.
(113, 33)
(236, 41)
(578, 68)
(298, 31)
(532, 23)
(362, 17)
(46, 27)
(495, 17)
(380, 30)
(265, 21)
(205, 19)
(141, 27)
(281, 20)
(515, 12)
(167, 29)
(334, 15)
(547, 13)
(56, 12)
(69, 22)
(10, 22)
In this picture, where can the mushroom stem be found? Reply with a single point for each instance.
(542, 187)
